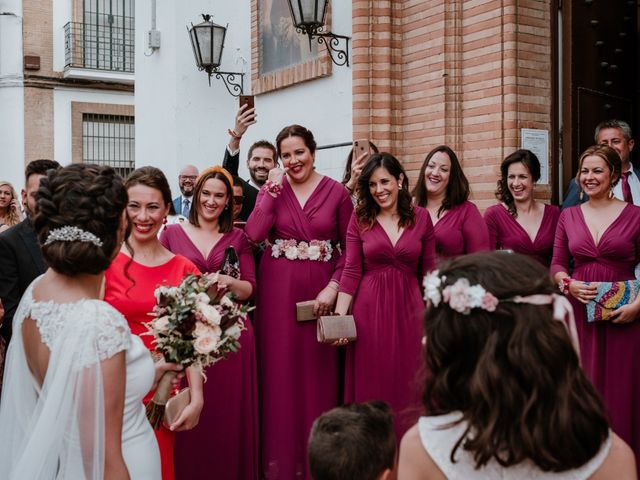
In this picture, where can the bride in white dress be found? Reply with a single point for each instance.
(75, 377)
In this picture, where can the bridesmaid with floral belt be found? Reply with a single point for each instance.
(519, 222)
(131, 279)
(443, 190)
(225, 443)
(304, 215)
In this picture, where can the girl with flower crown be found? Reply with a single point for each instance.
(505, 396)
(390, 245)
(225, 442)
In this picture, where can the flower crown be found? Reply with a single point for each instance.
(461, 296)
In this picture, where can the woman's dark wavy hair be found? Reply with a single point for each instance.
(225, 220)
(367, 208)
(513, 373)
(151, 177)
(90, 197)
(296, 131)
(457, 188)
(346, 176)
(529, 160)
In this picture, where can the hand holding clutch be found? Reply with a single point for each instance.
(336, 329)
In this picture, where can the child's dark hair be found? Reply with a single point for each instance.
(513, 372)
(354, 441)
(90, 197)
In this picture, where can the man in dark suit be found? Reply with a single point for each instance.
(186, 182)
(262, 157)
(617, 135)
(20, 256)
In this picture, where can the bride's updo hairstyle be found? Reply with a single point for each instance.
(89, 197)
(512, 372)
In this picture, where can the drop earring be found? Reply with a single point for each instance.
(581, 196)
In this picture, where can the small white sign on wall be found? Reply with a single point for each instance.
(538, 142)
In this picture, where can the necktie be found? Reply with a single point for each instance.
(626, 189)
(185, 207)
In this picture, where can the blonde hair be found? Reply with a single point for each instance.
(11, 218)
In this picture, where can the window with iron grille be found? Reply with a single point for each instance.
(109, 140)
(105, 39)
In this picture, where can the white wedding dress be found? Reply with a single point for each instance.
(56, 431)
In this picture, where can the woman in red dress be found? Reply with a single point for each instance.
(131, 279)
(443, 190)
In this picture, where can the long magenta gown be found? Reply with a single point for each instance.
(461, 230)
(225, 443)
(610, 352)
(505, 233)
(385, 281)
(299, 377)
(135, 300)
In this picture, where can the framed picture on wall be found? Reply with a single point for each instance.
(280, 55)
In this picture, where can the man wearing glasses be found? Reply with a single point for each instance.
(186, 182)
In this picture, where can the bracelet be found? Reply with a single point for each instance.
(334, 285)
(234, 134)
(272, 187)
(564, 283)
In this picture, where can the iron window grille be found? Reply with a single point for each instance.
(109, 140)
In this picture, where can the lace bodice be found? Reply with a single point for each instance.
(438, 439)
(96, 325)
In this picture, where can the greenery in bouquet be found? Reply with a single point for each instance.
(196, 324)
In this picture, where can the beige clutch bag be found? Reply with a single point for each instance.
(304, 311)
(175, 405)
(336, 328)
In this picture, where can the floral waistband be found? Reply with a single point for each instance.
(317, 250)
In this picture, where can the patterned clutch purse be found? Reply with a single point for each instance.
(609, 297)
(230, 263)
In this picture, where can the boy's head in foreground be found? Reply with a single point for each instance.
(354, 441)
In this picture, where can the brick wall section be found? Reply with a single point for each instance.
(37, 33)
(467, 73)
(38, 118)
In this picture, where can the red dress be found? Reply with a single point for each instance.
(461, 230)
(135, 301)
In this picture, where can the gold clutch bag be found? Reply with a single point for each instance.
(336, 328)
(304, 311)
(175, 405)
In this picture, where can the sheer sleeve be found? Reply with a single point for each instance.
(352, 271)
(561, 254)
(262, 218)
(56, 430)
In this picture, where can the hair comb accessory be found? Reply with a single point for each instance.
(70, 233)
(463, 297)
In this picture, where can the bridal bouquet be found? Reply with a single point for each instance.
(196, 324)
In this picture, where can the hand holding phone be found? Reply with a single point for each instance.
(247, 100)
(360, 147)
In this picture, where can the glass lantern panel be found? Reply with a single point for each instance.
(203, 33)
(218, 44)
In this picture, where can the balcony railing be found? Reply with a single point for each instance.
(104, 45)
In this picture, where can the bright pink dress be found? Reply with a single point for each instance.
(299, 377)
(610, 352)
(505, 233)
(385, 281)
(461, 230)
(225, 442)
(136, 301)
